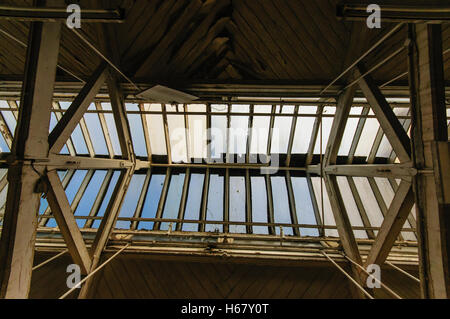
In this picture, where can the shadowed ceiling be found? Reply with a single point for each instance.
(171, 41)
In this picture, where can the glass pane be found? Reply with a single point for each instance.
(349, 132)
(194, 201)
(260, 134)
(327, 123)
(368, 135)
(172, 204)
(237, 203)
(327, 212)
(303, 205)
(89, 196)
(350, 207)
(111, 125)
(259, 204)
(215, 202)
(152, 200)
(281, 204)
(281, 131)
(96, 133)
(177, 134)
(238, 130)
(137, 134)
(156, 129)
(369, 201)
(78, 141)
(131, 199)
(71, 190)
(218, 136)
(197, 132)
(105, 202)
(303, 130)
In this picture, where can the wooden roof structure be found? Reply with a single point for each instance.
(358, 139)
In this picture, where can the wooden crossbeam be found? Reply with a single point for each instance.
(67, 224)
(393, 222)
(371, 170)
(71, 118)
(386, 117)
(344, 105)
(107, 224)
(120, 117)
(343, 224)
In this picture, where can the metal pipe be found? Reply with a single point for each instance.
(93, 272)
(403, 272)
(49, 260)
(386, 36)
(347, 275)
(367, 273)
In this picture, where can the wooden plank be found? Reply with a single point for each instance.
(107, 224)
(392, 225)
(386, 117)
(105, 130)
(64, 128)
(429, 127)
(22, 204)
(370, 170)
(63, 214)
(344, 104)
(177, 28)
(58, 115)
(120, 117)
(343, 224)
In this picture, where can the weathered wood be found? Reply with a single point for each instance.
(386, 117)
(344, 104)
(107, 224)
(392, 225)
(20, 220)
(369, 170)
(64, 128)
(64, 217)
(429, 129)
(343, 224)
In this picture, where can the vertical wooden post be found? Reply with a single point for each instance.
(430, 145)
(30, 142)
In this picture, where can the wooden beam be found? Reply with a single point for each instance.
(120, 116)
(386, 117)
(22, 204)
(58, 115)
(429, 133)
(392, 225)
(370, 170)
(60, 14)
(292, 206)
(107, 224)
(61, 210)
(99, 198)
(64, 128)
(345, 102)
(343, 225)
